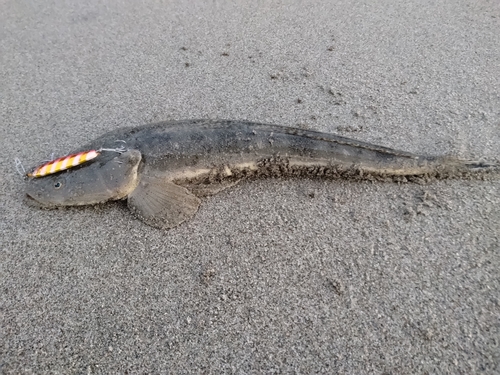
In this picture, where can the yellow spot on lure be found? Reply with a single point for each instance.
(63, 163)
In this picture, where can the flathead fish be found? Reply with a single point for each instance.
(167, 167)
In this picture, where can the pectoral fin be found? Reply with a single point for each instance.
(161, 203)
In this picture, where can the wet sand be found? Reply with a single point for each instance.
(277, 276)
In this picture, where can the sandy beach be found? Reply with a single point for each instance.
(274, 276)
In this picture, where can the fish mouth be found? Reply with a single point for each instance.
(33, 202)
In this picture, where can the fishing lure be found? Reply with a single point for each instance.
(63, 163)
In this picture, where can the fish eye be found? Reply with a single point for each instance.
(58, 184)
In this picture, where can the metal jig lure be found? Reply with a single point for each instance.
(63, 163)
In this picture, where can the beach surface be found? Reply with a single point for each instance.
(275, 276)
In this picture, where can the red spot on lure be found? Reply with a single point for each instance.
(63, 163)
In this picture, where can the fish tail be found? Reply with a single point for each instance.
(451, 167)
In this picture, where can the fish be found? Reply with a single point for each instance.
(164, 170)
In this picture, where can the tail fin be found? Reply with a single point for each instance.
(451, 167)
(479, 166)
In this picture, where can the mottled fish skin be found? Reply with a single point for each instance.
(190, 149)
(182, 161)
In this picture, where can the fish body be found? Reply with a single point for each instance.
(169, 166)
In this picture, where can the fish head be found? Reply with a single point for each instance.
(108, 177)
